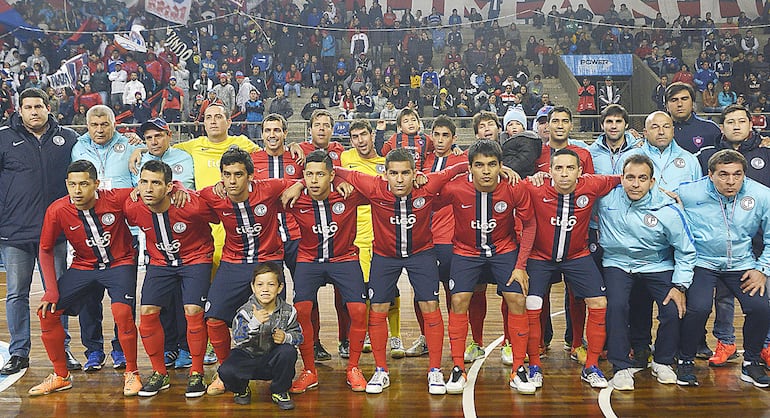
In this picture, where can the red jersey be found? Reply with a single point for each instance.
(178, 236)
(251, 227)
(267, 166)
(562, 220)
(419, 144)
(543, 163)
(443, 222)
(328, 227)
(484, 222)
(401, 224)
(99, 236)
(335, 149)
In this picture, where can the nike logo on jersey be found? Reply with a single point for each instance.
(72, 228)
(259, 170)
(304, 210)
(16, 144)
(146, 229)
(226, 213)
(542, 165)
(546, 200)
(465, 206)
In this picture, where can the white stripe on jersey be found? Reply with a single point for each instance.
(485, 237)
(561, 247)
(91, 224)
(326, 231)
(166, 240)
(440, 163)
(274, 173)
(249, 243)
(403, 226)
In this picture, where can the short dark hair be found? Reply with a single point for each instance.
(639, 159)
(157, 166)
(675, 88)
(407, 111)
(566, 151)
(735, 108)
(318, 113)
(268, 267)
(485, 147)
(727, 156)
(83, 166)
(484, 115)
(320, 156)
(276, 117)
(615, 110)
(399, 154)
(360, 124)
(562, 109)
(444, 121)
(236, 155)
(36, 93)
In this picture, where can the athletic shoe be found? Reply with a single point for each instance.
(216, 387)
(170, 357)
(722, 354)
(183, 360)
(506, 355)
(456, 382)
(536, 376)
(306, 380)
(543, 352)
(320, 353)
(283, 400)
(344, 349)
(473, 353)
(520, 381)
(765, 356)
(579, 354)
(379, 381)
(755, 374)
(685, 374)
(397, 349)
(243, 398)
(195, 386)
(210, 357)
(132, 384)
(367, 347)
(436, 385)
(704, 352)
(593, 376)
(52, 383)
(623, 380)
(155, 384)
(419, 347)
(356, 380)
(118, 359)
(664, 372)
(95, 361)
(72, 362)
(642, 357)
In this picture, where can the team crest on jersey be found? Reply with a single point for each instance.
(582, 201)
(290, 170)
(108, 219)
(58, 140)
(177, 169)
(679, 163)
(338, 208)
(698, 141)
(380, 168)
(758, 163)
(419, 202)
(650, 220)
(747, 203)
(500, 207)
(180, 227)
(334, 155)
(260, 210)
(119, 148)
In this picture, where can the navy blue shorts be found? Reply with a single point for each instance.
(75, 285)
(230, 289)
(346, 277)
(421, 269)
(161, 282)
(581, 274)
(290, 250)
(444, 258)
(467, 272)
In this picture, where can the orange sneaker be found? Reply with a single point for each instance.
(306, 380)
(765, 356)
(132, 383)
(356, 380)
(722, 353)
(216, 387)
(52, 383)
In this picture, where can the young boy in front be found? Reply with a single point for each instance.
(266, 334)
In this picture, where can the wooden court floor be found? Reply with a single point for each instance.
(99, 394)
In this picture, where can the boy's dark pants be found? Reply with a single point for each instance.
(277, 366)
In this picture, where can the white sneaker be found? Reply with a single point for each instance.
(474, 352)
(593, 376)
(664, 372)
(456, 382)
(506, 355)
(379, 381)
(536, 376)
(397, 349)
(624, 380)
(436, 385)
(520, 381)
(419, 347)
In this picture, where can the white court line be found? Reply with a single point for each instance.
(469, 405)
(31, 294)
(604, 402)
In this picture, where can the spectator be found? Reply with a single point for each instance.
(208, 64)
(203, 84)
(704, 76)
(131, 87)
(671, 63)
(684, 76)
(550, 64)
(709, 98)
(587, 106)
(341, 127)
(491, 105)
(80, 120)
(659, 94)
(443, 104)
(389, 114)
(146, 79)
(347, 104)
(254, 109)
(359, 43)
(225, 93)
(608, 94)
(293, 80)
(357, 80)
(724, 68)
(749, 43)
(118, 78)
(281, 105)
(257, 80)
(379, 101)
(172, 103)
(364, 105)
(244, 90)
(428, 92)
(141, 110)
(727, 96)
(278, 76)
(262, 59)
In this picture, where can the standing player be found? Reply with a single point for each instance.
(181, 249)
(94, 224)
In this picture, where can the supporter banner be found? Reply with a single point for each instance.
(178, 43)
(67, 74)
(134, 41)
(177, 11)
(599, 65)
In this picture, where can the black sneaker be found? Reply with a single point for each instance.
(754, 373)
(195, 386)
(72, 362)
(685, 374)
(283, 400)
(155, 384)
(344, 349)
(704, 352)
(169, 357)
(243, 398)
(15, 365)
(642, 357)
(320, 352)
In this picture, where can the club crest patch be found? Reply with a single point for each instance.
(58, 140)
(338, 208)
(419, 202)
(500, 207)
(747, 203)
(180, 227)
(108, 219)
(260, 210)
(679, 162)
(582, 201)
(757, 163)
(650, 220)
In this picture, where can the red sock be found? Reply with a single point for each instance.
(124, 319)
(152, 338)
(357, 333)
(343, 316)
(378, 334)
(477, 312)
(518, 327)
(458, 333)
(219, 335)
(504, 311)
(596, 334)
(52, 334)
(197, 338)
(304, 317)
(577, 316)
(544, 318)
(434, 336)
(420, 318)
(533, 341)
(315, 321)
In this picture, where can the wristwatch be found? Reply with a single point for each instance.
(680, 288)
